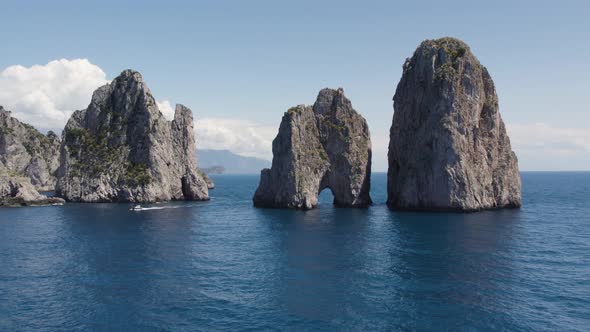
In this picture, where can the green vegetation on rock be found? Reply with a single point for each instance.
(97, 153)
(137, 174)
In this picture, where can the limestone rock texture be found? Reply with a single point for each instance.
(16, 190)
(27, 152)
(448, 148)
(326, 145)
(122, 149)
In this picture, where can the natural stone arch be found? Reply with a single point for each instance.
(326, 191)
(324, 146)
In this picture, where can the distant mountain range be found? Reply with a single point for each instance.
(230, 162)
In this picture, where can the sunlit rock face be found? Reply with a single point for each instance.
(326, 145)
(121, 148)
(27, 152)
(448, 148)
(16, 190)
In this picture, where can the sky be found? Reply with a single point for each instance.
(239, 65)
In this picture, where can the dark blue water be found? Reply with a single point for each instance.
(223, 265)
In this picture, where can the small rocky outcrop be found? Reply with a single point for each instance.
(324, 146)
(448, 148)
(27, 152)
(16, 190)
(122, 149)
(208, 180)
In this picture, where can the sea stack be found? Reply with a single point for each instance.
(122, 149)
(448, 147)
(326, 145)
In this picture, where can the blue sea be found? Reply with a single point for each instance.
(224, 265)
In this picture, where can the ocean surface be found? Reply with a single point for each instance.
(224, 265)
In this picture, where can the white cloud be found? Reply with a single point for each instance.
(46, 95)
(166, 108)
(540, 146)
(553, 140)
(243, 137)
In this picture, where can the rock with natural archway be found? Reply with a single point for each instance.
(326, 145)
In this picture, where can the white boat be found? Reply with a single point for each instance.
(135, 208)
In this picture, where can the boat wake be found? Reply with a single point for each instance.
(154, 208)
(160, 207)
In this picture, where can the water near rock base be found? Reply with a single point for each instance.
(224, 265)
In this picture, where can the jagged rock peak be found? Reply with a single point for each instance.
(121, 148)
(448, 148)
(25, 151)
(324, 146)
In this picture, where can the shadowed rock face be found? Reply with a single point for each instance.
(448, 148)
(324, 146)
(121, 148)
(27, 152)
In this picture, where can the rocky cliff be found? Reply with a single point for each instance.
(17, 190)
(121, 148)
(27, 152)
(448, 148)
(324, 146)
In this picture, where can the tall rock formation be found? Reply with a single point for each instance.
(324, 146)
(121, 148)
(27, 152)
(448, 148)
